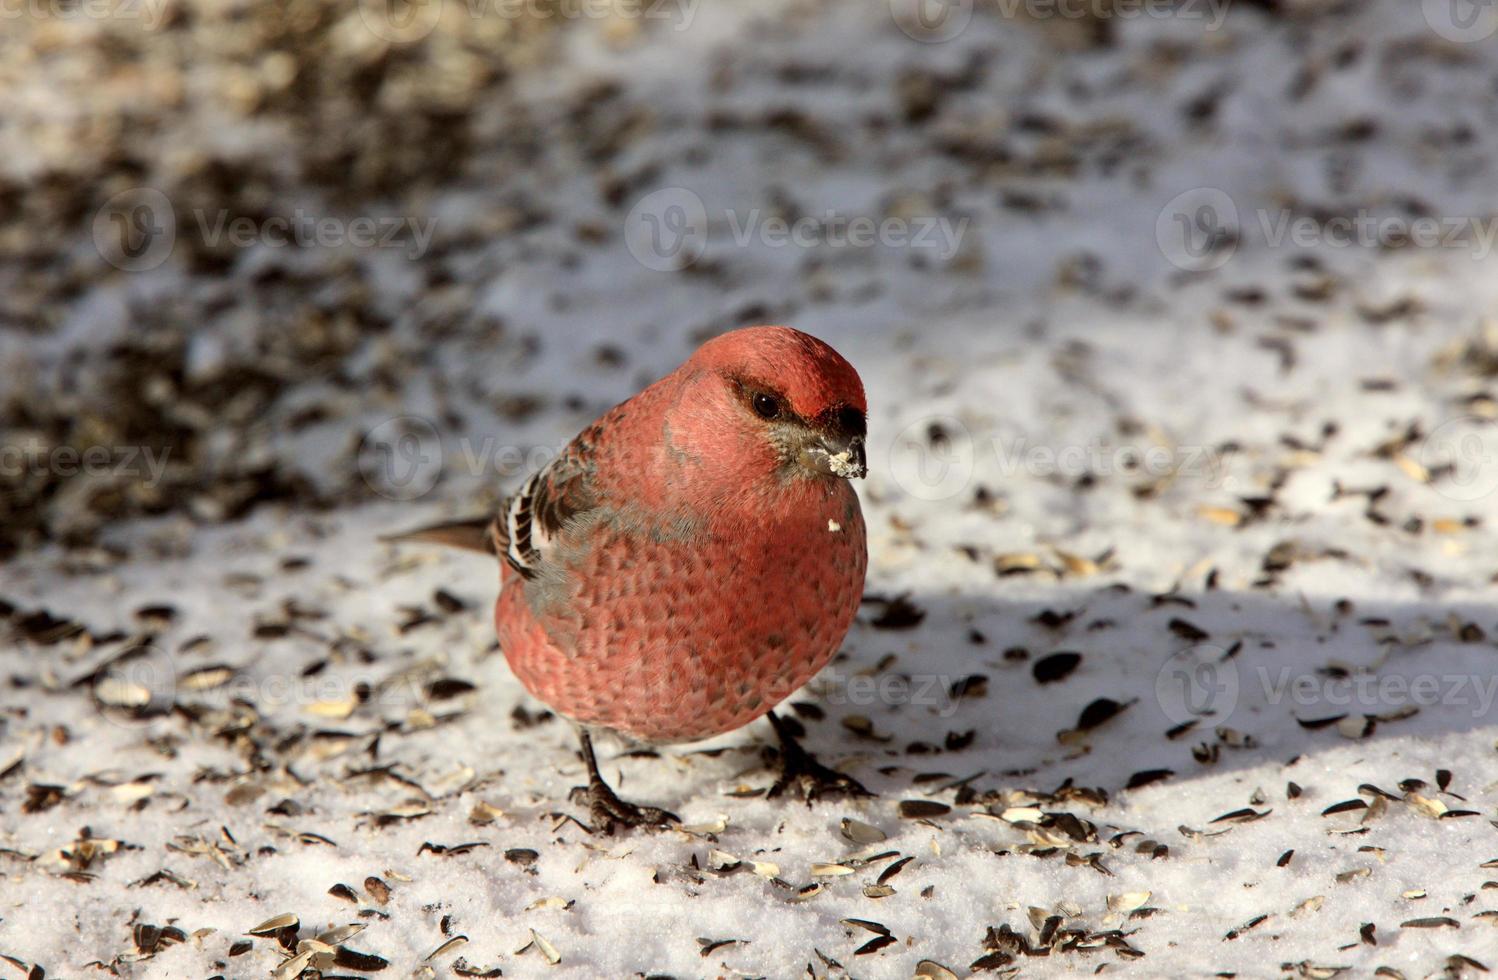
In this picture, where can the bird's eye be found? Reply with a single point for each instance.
(766, 406)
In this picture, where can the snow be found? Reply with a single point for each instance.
(1218, 502)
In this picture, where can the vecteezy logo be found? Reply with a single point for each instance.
(136, 229)
(1461, 455)
(931, 21)
(932, 459)
(1462, 21)
(1197, 682)
(1198, 230)
(401, 458)
(400, 21)
(666, 230)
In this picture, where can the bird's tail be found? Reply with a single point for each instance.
(473, 534)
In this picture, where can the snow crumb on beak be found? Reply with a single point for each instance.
(844, 464)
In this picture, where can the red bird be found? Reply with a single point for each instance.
(691, 558)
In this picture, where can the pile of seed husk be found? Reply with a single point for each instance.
(229, 110)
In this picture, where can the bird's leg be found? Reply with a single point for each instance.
(605, 809)
(799, 767)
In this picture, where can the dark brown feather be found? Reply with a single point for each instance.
(473, 534)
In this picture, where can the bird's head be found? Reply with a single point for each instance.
(773, 399)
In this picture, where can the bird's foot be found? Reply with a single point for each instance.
(607, 811)
(800, 768)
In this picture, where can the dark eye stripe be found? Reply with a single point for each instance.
(772, 406)
(851, 420)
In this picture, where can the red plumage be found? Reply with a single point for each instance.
(689, 561)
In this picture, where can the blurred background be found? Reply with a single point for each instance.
(311, 252)
(1177, 321)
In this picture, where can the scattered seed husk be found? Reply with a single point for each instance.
(899, 613)
(1248, 926)
(1013, 562)
(708, 947)
(377, 889)
(445, 688)
(450, 850)
(1128, 901)
(127, 793)
(874, 945)
(1244, 815)
(1022, 814)
(894, 869)
(874, 927)
(353, 959)
(1147, 777)
(1221, 515)
(447, 947)
(336, 709)
(339, 935)
(1098, 712)
(1428, 805)
(275, 924)
(1055, 666)
(717, 826)
(1431, 922)
(1310, 905)
(206, 678)
(410, 810)
(548, 951)
(484, 813)
(807, 892)
(861, 833)
(118, 692)
(294, 966)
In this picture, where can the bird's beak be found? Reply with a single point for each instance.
(841, 456)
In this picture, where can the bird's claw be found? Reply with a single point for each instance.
(606, 811)
(799, 767)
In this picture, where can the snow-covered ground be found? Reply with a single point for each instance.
(1179, 651)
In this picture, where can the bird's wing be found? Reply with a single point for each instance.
(526, 529)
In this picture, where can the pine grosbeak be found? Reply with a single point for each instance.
(693, 557)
